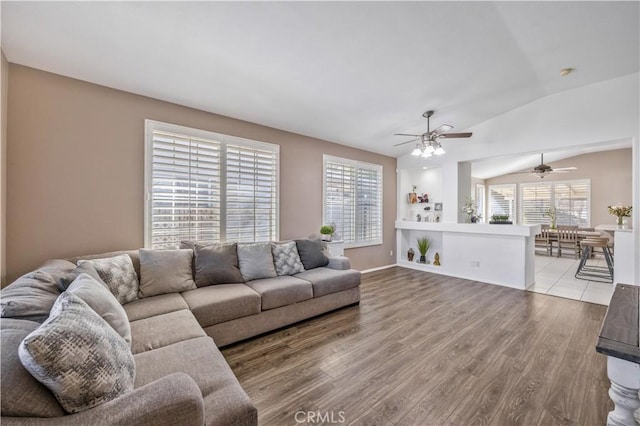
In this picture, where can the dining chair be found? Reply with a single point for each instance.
(567, 237)
(543, 239)
(594, 271)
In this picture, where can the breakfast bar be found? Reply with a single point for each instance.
(496, 254)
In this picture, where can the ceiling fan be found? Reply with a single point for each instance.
(542, 170)
(429, 142)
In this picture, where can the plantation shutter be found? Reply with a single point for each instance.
(339, 198)
(353, 200)
(535, 200)
(206, 187)
(251, 193)
(502, 200)
(369, 204)
(185, 189)
(572, 202)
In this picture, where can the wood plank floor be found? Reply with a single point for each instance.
(425, 349)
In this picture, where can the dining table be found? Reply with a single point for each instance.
(581, 236)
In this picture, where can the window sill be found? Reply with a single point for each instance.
(363, 244)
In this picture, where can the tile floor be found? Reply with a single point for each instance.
(555, 276)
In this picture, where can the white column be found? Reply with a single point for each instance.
(625, 384)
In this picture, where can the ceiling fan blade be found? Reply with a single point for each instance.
(455, 135)
(560, 169)
(402, 143)
(406, 134)
(442, 128)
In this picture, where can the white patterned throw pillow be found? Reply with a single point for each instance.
(286, 258)
(78, 356)
(119, 275)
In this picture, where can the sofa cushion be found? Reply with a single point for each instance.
(119, 275)
(214, 263)
(155, 305)
(163, 330)
(100, 299)
(312, 253)
(165, 271)
(78, 356)
(327, 280)
(256, 261)
(225, 401)
(223, 302)
(286, 258)
(30, 297)
(22, 394)
(281, 291)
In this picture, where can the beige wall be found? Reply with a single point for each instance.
(76, 174)
(4, 94)
(610, 173)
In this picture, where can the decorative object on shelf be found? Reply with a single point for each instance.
(471, 210)
(551, 212)
(418, 218)
(437, 207)
(500, 219)
(424, 198)
(423, 248)
(437, 218)
(413, 197)
(427, 208)
(436, 259)
(410, 254)
(327, 231)
(620, 212)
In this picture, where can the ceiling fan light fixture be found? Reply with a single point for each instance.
(416, 151)
(426, 154)
(429, 149)
(439, 151)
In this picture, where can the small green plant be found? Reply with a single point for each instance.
(326, 230)
(499, 217)
(423, 245)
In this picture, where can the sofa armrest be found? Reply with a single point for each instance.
(173, 399)
(339, 262)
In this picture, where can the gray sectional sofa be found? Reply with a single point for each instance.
(177, 320)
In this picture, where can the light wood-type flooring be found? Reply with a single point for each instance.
(425, 349)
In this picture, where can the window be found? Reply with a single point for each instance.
(208, 187)
(502, 200)
(353, 200)
(480, 188)
(570, 198)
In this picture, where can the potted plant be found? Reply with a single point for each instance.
(423, 248)
(620, 212)
(551, 212)
(500, 219)
(471, 210)
(327, 231)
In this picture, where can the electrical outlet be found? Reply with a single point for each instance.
(475, 263)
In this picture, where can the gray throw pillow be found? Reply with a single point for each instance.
(286, 258)
(100, 299)
(78, 356)
(312, 253)
(215, 263)
(119, 275)
(85, 268)
(256, 261)
(165, 271)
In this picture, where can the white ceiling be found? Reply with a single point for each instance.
(348, 72)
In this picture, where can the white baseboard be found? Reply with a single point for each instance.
(379, 268)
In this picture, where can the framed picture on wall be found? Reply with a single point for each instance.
(437, 207)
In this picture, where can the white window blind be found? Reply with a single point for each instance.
(480, 196)
(206, 187)
(572, 201)
(502, 200)
(353, 200)
(570, 198)
(535, 200)
(252, 193)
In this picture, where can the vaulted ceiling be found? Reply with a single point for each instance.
(348, 72)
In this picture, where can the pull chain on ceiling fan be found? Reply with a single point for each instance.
(429, 142)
